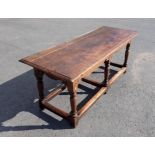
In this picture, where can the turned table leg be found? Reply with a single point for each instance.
(106, 74)
(39, 76)
(126, 55)
(72, 88)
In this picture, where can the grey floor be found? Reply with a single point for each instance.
(127, 110)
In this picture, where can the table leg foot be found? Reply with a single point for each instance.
(74, 120)
(41, 106)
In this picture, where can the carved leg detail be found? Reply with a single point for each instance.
(106, 73)
(72, 88)
(39, 76)
(126, 55)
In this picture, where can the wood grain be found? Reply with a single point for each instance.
(76, 59)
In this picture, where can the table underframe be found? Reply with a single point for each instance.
(72, 87)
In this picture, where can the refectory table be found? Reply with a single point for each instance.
(74, 61)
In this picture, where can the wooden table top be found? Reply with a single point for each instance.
(79, 57)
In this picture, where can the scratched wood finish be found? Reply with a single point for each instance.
(73, 61)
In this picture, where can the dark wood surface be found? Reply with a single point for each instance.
(71, 62)
(77, 58)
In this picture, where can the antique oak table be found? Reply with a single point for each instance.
(74, 61)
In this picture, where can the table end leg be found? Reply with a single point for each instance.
(72, 88)
(39, 77)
